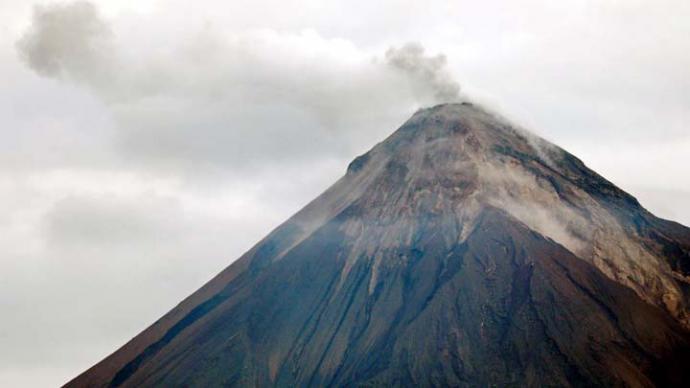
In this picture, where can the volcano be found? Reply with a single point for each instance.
(460, 251)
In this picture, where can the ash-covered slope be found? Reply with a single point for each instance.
(459, 251)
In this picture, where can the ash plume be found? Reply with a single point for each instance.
(427, 71)
(68, 40)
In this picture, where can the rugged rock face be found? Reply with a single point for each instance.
(460, 251)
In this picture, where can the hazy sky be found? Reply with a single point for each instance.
(147, 144)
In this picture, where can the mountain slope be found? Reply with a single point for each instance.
(459, 251)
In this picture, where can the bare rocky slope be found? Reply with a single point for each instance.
(460, 251)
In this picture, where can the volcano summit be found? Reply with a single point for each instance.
(460, 251)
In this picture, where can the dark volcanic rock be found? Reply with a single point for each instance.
(458, 252)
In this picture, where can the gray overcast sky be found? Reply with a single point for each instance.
(147, 144)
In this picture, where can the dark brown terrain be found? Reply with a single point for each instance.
(460, 251)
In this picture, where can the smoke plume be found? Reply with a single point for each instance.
(427, 71)
(67, 40)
